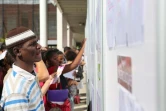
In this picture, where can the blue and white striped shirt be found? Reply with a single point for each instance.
(21, 92)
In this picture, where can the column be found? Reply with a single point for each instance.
(59, 29)
(69, 36)
(43, 23)
(64, 32)
(73, 43)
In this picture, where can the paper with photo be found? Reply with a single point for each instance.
(59, 72)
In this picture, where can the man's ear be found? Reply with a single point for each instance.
(16, 52)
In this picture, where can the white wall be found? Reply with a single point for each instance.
(144, 62)
(143, 65)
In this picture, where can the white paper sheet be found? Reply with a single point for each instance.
(110, 22)
(121, 22)
(135, 33)
(59, 72)
(124, 22)
(98, 102)
(93, 98)
(127, 102)
(98, 26)
(69, 75)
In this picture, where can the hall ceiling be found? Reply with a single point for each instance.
(75, 13)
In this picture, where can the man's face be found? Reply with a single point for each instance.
(31, 51)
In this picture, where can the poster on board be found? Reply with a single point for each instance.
(98, 108)
(124, 65)
(93, 97)
(135, 22)
(121, 22)
(98, 26)
(124, 22)
(110, 22)
(91, 72)
(98, 37)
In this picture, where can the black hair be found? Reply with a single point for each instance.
(10, 50)
(59, 52)
(8, 60)
(6, 63)
(56, 50)
(66, 48)
(70, 55)
(50, 53)
(43, 54)
(3, 46)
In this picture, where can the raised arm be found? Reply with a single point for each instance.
(76, 61)
(42, 72)
(47, 84)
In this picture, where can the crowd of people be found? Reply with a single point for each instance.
(31, 74)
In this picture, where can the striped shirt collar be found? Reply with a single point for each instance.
(23, 72)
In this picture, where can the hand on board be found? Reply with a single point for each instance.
(84, 41)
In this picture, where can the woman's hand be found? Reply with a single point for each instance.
(76, 62)
(83, 42)
(52, 75)
(47, 83)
